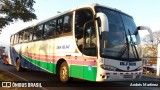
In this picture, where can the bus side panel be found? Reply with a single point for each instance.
(66, 47)
(37, 55)
(28, 62)
(84, 67)
(14, 54)
(23, 50)
(76, 71)
(84, 72)
(38, 64)
(49, 55)
(90, 73)
(30, 65)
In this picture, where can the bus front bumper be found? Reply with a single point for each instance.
(118, 76)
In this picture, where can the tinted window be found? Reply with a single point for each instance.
(38, 32)
(82, 16)
(16, 39)
(12, 39)
(64, 24)
(30, 34)
(60, 25)
(114, 43)
(20, 37)
(90, 39)
(50, 28)
(67, 23)
(26, 36)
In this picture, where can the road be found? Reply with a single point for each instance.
(52, 82)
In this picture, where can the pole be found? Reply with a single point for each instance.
(158, 61)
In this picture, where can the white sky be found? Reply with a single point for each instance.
(144, 12)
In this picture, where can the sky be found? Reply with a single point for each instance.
(144, 12)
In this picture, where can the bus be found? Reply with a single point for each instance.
(91, 42)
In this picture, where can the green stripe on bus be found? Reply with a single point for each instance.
(45, 65)
(83, 72)
(90, 74)
(77, 71)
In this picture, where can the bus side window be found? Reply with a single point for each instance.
(54, 28)
(20, 40)
(12, 40)
(46, 29)
(49, 29)
(30, 34)
(15, 38)
(67, 23)
(34, 35)
(59, 26)
(38, 32)
(26, 35)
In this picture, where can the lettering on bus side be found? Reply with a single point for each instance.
(127, 63)
(63, 47)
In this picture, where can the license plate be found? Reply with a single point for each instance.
(128, 76)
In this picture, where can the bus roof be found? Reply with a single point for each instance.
(78, 7)
(83, 6)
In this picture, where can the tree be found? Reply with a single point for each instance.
(156, 39)
(13, 10)
(2, 50)
(150, 48)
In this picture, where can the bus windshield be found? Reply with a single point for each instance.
(119, 42)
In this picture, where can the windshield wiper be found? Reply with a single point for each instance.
(133, 45)
(127, 46)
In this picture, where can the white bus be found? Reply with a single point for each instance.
(91, 42)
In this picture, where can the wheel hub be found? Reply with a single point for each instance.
(64, 72)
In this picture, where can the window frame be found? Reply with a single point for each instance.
(19, 38)
(30, 39)
(75, 29)
(53, 30)
(20, 35)
(35, 32)
(24, 33)
(12, 39)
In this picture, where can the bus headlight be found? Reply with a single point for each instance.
(107, 67)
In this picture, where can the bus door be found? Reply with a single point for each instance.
(85, 39)
(90, 51)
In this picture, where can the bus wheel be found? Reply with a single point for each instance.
(18, 65)
(64, 72)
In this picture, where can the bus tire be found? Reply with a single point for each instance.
(18, 65)
(64, 72)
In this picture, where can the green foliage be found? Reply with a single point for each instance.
(13, 10)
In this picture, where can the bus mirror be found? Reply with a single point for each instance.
(144, 28)
(104, 21)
